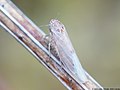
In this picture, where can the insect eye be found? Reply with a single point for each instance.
(60, 30)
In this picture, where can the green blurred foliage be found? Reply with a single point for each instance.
(94, 29)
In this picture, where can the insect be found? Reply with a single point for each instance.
(65, 50)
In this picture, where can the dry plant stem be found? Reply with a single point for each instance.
(31, 37)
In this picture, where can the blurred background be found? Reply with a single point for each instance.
(94, 29)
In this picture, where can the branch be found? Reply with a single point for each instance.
(31, 37)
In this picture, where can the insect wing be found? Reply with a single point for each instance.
(64, 55)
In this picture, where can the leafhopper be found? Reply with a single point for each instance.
(65, 50)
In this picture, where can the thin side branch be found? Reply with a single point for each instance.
(31, 37)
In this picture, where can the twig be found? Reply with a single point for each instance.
(31, 37)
